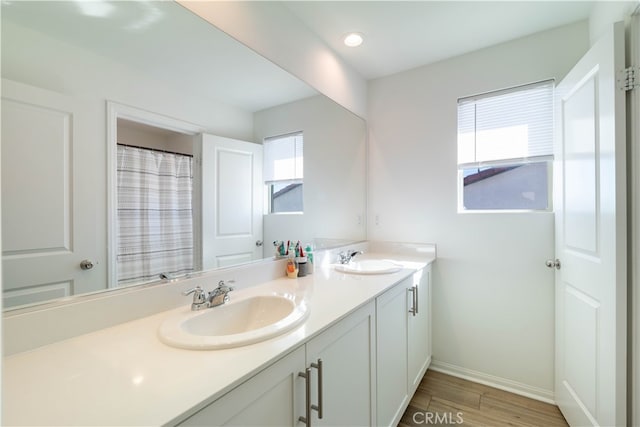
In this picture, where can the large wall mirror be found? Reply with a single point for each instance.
(102, 99)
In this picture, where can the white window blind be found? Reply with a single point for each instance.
(283, 159)
(505, 126)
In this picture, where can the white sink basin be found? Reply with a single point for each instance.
(234, 324)
(369, 266)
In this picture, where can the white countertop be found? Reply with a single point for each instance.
(124, 375)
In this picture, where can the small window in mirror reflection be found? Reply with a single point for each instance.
(283, 173)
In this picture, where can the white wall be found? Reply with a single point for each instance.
(605, 13)
(33, 58)
(334, 170)
(139, 135)
(269, 27)
(493, 296)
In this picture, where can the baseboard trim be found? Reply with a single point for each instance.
(494, 381)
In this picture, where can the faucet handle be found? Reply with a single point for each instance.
(197, 289)
(222, 285)
(199, 295)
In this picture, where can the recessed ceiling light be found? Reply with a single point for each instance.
(353, 39)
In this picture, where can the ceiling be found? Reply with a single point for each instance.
(164, 40)
(400, 35)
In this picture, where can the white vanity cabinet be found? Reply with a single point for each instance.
(341, 370)
(391, 353)
(348, 371)
(403, 349)
(419, 328)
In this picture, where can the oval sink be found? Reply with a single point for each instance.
(369, 266)
(233, 324)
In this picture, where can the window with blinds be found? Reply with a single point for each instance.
(505, 148)
(284, 172)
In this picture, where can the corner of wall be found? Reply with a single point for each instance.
(605, 13)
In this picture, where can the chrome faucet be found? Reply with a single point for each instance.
(345, 257)
(202, 299)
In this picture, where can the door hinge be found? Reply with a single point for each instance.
(629, 78)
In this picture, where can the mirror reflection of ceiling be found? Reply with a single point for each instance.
(163, 40)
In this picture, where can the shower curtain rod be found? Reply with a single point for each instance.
(154, 149)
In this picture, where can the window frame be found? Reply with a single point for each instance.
(461, 209)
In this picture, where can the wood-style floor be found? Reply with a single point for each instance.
(443, 400)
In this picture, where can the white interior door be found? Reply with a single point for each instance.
(48, 225)
(590, 205)
(228, 195)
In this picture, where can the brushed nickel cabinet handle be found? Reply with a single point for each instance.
(319, 406)
(413, 310)
(417, 295)
(307, 395)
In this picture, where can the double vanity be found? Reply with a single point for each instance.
(346, 345)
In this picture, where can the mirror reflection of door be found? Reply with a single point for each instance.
(48, 197)
(228, 195)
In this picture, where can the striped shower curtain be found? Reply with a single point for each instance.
(155, 222)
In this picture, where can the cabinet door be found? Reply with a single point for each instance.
(419, 328)
(392, 385)
(274, 397)
(348, 371)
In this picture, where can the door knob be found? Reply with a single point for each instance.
(553, 264)
(86, 264)
(259, 243)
